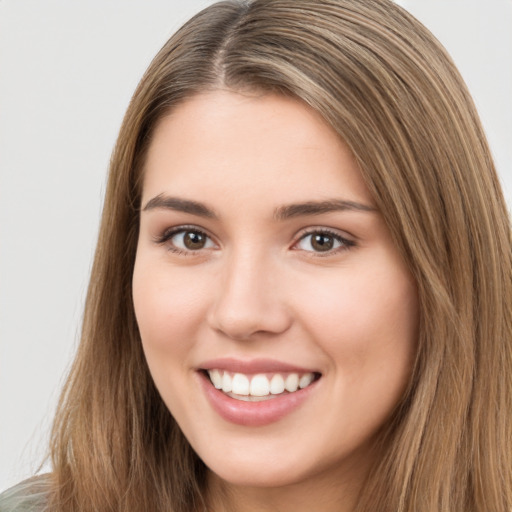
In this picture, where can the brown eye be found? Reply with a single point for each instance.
(323, 242)
(188, 240)
(193, 240)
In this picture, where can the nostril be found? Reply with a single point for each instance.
(243, 322)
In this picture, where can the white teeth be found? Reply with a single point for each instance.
(226, 383)
(240, 384)
(259, 385)
(305, 380)
(216, 378)
(277, 384)
(291, 383)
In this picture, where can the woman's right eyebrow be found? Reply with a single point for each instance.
(181, 205)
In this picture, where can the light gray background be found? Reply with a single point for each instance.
(67, 71)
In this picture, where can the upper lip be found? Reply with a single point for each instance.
(253, 366)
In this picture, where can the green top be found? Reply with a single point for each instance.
(28, 496)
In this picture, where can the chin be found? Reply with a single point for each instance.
(260, 476)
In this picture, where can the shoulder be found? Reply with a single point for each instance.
(28, 496)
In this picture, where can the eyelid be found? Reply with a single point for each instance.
(168, 233)
(344, 238)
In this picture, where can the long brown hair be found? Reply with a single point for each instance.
(382, 81)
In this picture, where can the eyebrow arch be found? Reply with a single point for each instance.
(319, 207)
(180, 205)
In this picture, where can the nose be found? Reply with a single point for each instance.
(250, 299)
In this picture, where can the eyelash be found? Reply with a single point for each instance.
(345, 244)
(168, 234)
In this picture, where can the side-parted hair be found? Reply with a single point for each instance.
(392, 93)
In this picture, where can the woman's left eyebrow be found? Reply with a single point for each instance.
(319, 207)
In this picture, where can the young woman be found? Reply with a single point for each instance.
(302, 288)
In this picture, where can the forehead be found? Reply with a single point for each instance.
(225, 142)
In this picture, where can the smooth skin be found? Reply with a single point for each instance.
(240, 274)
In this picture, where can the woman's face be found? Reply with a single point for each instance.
(264, 269)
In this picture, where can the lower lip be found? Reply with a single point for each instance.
(253, 414)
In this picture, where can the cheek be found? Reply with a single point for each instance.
(167, 307)
(366, 321)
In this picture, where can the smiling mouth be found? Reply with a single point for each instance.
(261, 386)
